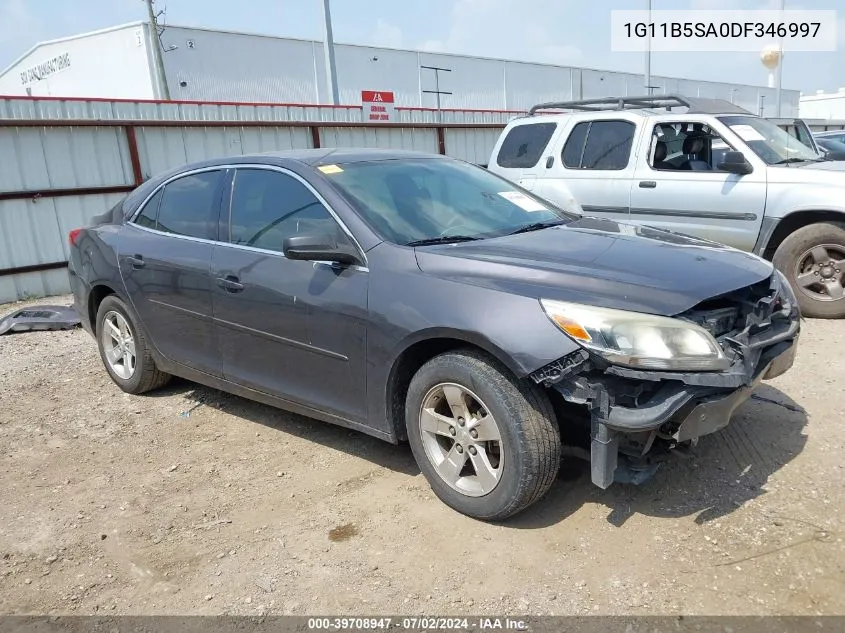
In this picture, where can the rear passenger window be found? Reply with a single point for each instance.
(268, 206)
(524, 144)
(600, 145)
(189, 204)
(573, 151)
(149, 213)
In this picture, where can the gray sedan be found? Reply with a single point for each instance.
(419, 298)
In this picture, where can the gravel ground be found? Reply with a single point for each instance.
(192, 501)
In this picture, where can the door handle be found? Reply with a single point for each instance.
(136, 262)
(647, 184)
(230, 283)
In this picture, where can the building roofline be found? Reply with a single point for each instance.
(68, 38)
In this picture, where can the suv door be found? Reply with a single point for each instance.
(293, 329)
(678, 186)
(164, 258)
(593, 165)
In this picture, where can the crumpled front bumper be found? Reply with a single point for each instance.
(633, 411)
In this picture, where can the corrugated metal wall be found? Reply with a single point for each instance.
(67, 160)
(215, 65)
(75, 109)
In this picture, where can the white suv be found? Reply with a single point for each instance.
(702, 167)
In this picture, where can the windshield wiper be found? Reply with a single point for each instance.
(444, 239)
(793, 159)
(536, 226)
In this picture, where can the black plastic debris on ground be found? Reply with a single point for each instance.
(40, 318)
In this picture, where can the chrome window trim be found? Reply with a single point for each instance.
(141, 206)
(235, 167)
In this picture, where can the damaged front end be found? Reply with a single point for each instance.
(637, 416)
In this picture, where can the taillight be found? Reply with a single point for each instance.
(73, 236)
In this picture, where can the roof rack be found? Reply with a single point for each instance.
(693, 104)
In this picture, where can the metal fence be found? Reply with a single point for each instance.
(63, 161)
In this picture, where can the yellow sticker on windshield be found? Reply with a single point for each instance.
(330, 169)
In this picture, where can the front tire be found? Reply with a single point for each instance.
(488, 444)
(124, 350)
(813, 259)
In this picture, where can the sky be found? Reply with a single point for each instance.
(566, 32)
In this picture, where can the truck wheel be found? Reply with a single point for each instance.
(488, 444)
(813, 259)
(124, 351)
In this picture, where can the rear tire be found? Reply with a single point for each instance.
(810, 258)
(124, 350)
(506, 439)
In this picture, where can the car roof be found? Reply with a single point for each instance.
(328, 155)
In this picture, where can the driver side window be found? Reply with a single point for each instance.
(686, 146)
(268, 206)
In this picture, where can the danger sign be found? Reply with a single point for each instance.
(378, 106)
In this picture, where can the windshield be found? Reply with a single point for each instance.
(412, 200)
(768, 141)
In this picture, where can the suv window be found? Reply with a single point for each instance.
(524, 144)
(686, 146)
(189, 204)
(600, 145)
(268, 206)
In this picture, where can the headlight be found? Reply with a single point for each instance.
(638, 340)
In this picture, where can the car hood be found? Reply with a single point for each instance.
(600, 262)
(827, 172)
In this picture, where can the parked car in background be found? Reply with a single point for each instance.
(701, 167)
(420, 298)
(835, 135)
(831, 149)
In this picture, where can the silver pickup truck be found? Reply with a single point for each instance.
(703, 167)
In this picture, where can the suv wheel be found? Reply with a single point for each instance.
(124, 350)
(488, 445)
(813, 259)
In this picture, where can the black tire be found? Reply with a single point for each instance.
(793, 248)
(147, 375)
(530, 438)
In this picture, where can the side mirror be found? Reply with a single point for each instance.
(320, 247)
(735, 163)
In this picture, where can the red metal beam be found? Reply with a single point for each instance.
(58, 193)
(34, 268)
(169, 123)
(249, 104)
(315, 137)
(441, 140)
(132, 141)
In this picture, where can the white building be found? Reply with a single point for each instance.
(207, 65)
(823, 105)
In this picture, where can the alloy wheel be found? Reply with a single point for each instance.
(118, 345)
(820, 272)
(461, 439)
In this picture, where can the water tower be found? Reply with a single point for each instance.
(771, 57)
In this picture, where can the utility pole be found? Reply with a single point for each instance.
(648, 53)
(156, 43)
(780, 65)
(437, 91)
(328, 47)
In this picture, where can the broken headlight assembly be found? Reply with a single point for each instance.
(634, 339)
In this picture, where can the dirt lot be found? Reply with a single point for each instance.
(191, 501)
